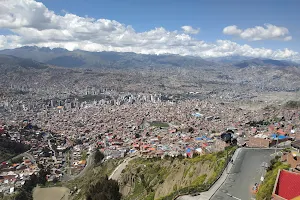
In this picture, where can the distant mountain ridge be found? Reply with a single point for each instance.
(7, 61)
(84, 59)
(264, 62)
(229, 59)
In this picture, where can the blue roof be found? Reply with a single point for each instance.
(197, 114)
(203, 138)
(275, 136)
(281, 137)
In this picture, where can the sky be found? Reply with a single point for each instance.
(205, 28)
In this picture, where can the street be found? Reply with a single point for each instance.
(89, 162)
(245, 172)
(117, 172)
(238, 178)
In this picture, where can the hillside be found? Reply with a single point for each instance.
(9, 149)
(164, 178)
(156, 178)
(79, 187)
(12, 62)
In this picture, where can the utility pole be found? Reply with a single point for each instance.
(276, 144)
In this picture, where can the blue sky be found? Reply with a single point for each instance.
(205, 28)
(211, 16)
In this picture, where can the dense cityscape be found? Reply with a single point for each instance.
(140, 100)
(62, 135)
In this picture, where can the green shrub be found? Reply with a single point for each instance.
(150, 196)
(186, 171)
(199, 180)
(266, 188)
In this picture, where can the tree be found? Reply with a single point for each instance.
(18, 159)
(191, 130)
(55, 180)
(23, 195)
(42, 176)
(104, 189)
(31, 183)
(98, 156)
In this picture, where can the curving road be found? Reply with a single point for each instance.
(246, 171)
(25, 154)
(237, 180)
(28, 155)
(89, 162)
(208, 194)
(115, 175)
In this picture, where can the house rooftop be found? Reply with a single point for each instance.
(287, 185)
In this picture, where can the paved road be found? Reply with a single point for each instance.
(89, 162)
(245, 172)
(115, 175)
(208, 194)
(25, 154)
(238, 178)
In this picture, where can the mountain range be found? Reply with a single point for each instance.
(119, 60)
(8, 61)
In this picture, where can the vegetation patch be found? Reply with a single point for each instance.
(199, 180)
(159, 124)
(92, 177)
(186, 171)
(266, 188)
(9, 149)
(103, 189)
(157, 178)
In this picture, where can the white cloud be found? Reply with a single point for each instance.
(9, 41)
(34, 24)
(288, 38)
(190, 30)
(232, 30)
(269, 32)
